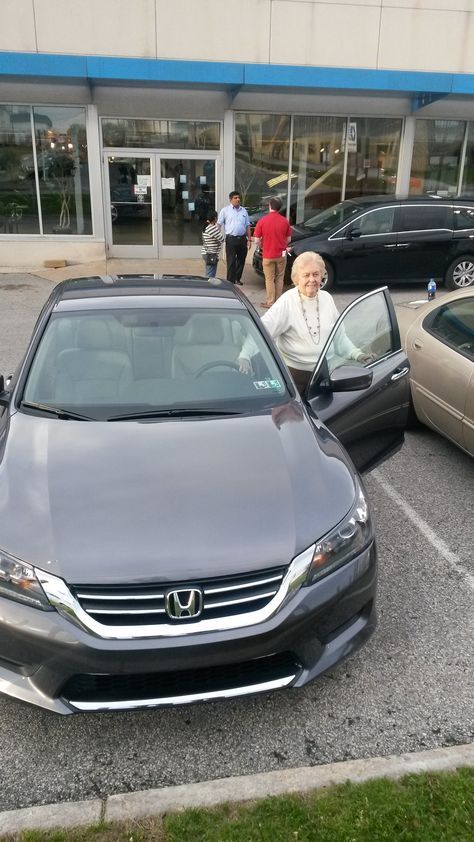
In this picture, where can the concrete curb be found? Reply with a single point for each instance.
(154, 802)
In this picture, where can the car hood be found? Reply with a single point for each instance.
(169, 500)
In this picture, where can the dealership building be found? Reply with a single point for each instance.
(122, 122)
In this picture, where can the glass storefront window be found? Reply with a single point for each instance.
(262, 144)
(373, 148)
(317, 167)
(61, 151)
(165, 134)
(436, 157)
(18, 203)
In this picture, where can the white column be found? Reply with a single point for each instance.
(228, 151)
(406, 154)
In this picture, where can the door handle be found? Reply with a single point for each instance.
(402, 245)
(402, 372)
(390, 246)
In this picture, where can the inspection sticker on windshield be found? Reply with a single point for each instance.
(267, 384)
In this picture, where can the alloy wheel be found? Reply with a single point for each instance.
(463, 274)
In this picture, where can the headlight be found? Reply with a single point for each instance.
(18, 581)
(345, 541)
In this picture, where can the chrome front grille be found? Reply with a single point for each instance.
(136, 605)
(119, 612)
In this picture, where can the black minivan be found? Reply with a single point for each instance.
(375, 240)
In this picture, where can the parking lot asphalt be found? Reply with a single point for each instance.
(409, 689)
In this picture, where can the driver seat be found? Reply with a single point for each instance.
(205, 343)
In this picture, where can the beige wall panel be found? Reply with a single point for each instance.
(350, 2)
(209, 31)
(17, 25)
(437, 5)
(334, 35)
(96, 27)
(415, 39)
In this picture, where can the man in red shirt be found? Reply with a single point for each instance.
(275, 232)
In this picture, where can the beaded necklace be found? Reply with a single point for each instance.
(315, 333)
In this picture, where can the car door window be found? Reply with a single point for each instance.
(365, 335)
(453, 324)
(376, 222)
(424, 217)
(363, 401)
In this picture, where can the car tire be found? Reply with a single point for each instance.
(460, 273)
(328, 282)
(113, 213)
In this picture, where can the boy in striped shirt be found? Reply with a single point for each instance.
(212, 239)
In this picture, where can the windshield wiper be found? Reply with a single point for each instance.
(172, 413)
(64, 414)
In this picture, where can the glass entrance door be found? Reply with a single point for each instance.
(157, 206)
(188, 192)
(131, 218)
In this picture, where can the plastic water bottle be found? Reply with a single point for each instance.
(431, 289)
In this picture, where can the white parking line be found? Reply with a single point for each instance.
(431, 536)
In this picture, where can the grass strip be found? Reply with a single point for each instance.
(430, 807)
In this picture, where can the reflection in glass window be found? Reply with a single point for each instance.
(147, 358)
(328, 219)
(376, 222)
(463, 218)
(167, 134)
(61, 151)
(18, 204)
(318, 161)
(436, 157)
(261, 160)
(454, 324)
(365, 330)
(372, 156)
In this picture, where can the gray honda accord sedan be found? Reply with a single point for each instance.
(172, 529)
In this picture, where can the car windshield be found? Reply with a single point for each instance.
(150, 361)
(331, 217)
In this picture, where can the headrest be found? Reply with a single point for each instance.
(206, 330)
(93, 334)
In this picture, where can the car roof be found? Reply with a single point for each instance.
(426, 198)
(87, 289)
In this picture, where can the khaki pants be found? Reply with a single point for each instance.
(274, 272)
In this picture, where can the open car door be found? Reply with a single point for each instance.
(363, 401)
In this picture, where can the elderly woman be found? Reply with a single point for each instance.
(301, 320)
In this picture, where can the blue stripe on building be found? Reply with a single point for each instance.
(104, 69)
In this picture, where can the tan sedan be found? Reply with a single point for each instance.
(438, 337)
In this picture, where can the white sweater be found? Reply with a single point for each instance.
(286, 325)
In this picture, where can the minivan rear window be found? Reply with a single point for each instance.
(463, 218)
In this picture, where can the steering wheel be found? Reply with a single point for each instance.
(216, 364)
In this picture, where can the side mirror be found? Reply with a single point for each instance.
(353, 233)
(346, 378)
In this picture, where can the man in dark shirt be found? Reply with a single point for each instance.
(274, 232)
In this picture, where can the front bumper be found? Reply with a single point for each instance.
(49, 662)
